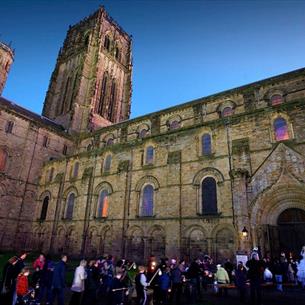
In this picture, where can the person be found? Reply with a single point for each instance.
(176, 279)
(255, 275)
(91, 283)
(164, 283)
(58, 281)
(222, 278)
(241, 281)
(118, 289)
(46, 280)
(301, 268)
(7, 289)
(78, 285)
(141, 286)
(229, 268)
(38, 267)
(22, 285)
(17, 269)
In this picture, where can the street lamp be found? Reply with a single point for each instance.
(244, 232)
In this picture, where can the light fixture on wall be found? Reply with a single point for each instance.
(244, 232)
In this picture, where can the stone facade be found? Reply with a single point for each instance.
(91, 84)
(183, 181)
(6, 60)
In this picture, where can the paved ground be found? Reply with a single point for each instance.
(290, 296)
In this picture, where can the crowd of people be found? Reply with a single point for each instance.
(105, 281)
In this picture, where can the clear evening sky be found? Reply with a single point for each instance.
(182, 50)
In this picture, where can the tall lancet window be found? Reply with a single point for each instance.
(101, 103)
(147, 201)
(112, 101)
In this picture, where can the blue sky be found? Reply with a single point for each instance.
(182, 50)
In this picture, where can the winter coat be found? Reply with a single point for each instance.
(176, 275)
(22, 286)
(8, 276)
(240, 277)
(222, 276)
(164, 281)
(80, 275)
(38, 264)
(59, 275)
(256, 269)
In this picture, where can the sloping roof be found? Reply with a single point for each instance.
(27, 114)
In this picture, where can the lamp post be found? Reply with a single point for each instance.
(244, 232)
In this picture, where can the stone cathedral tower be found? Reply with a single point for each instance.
(6, 59)
(91, 84)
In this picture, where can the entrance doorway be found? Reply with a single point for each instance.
(291, 231)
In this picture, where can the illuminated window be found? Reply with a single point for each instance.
(70, 206)
(9, 126)
(149, 158)
(227, 111)
(107, 163)
(147, 202)
(209, 196)
(206, 144)
(280, 129)
(3, 159)
(44, 210)
(276, 99)
(102, 210)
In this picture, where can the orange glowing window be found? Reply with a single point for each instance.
(103, 204)
(280, 129)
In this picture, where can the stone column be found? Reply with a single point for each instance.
(240, 206)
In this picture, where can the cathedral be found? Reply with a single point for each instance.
(217, 175)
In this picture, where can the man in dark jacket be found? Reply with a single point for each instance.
(255, 275)
(46, 281)
(241, 280)
(59, 280)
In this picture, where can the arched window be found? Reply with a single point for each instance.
(3, 159)
(44, 210)
(142, 133)
(117, 54)
(103, 94)
(280, 129)
(149, 157)
(70, 206)
(75, 170)
(102, 209)
(65, 96)
(174, 125)
(209, 196)
(206, 144)
(107, 163)
(147, 201)
(112, 102)
(227, 111)
(276, 99)
(107, 43)
(109, 142)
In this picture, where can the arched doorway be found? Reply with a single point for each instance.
(291, 230)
